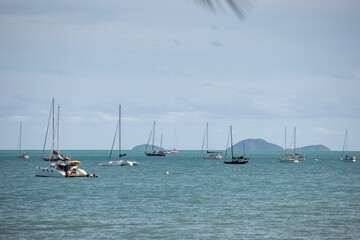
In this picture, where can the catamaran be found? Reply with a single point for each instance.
(63, 167)
(119, 162)
(157, 153)
(25, 155)
(209, 154)
(235, 159)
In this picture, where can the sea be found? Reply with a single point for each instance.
(182, 196)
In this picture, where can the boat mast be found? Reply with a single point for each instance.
(232, 151)
(294, 141)
(58, 130)
(161, 142)
(207, 137)
(47, 129)
(345, 144)
(244, 149)
(175, 141)
(20, 138)
(202, 147)
(119, 131)
(285, 140)
(53, 132)
(153, 140)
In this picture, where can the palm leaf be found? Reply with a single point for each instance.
(237, 6)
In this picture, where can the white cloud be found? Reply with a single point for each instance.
(19, 118)
(326, 131)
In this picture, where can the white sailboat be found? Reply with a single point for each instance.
(288, 157)
(119, 162)
(63, 167)
(24, 155)
(346, 158)
(209, 154)
(153, 152)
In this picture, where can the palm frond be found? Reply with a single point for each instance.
(239, 7)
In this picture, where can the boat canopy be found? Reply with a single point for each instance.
(212, 152)
(74, 162)
(123, 155)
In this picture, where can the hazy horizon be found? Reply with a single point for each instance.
(288, 63)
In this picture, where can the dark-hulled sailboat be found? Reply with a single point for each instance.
(236, 159)
(153, 152)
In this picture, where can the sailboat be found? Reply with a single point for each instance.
(63, 167)
(174, 149)
(288, 157)
(297, 156)
(209, 154)
(25, 155)
(119, 162)
(346, 158)
(236, 159)
(54, 155)
(153, 152)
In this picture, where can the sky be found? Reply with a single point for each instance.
(288, 63)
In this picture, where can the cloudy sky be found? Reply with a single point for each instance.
(289, 63)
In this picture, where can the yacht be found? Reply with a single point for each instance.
(62, 169)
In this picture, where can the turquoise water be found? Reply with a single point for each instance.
(198, 199)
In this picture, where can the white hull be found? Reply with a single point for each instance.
(288, 160)
(132, 163)
(54, 170)
(23, 155)
(119, 163)
(351, 159)
(212, 156)
(114, 163)
(300, 157)
(47, 172)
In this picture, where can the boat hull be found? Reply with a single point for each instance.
(236, 162)
(211, 156)
(23, 155)
(156, 154)
(132, 163)
(50, 159)
(46, 172)
(120, 163)
(54, 170)
(349, 159)
(288, 160)
(114, 163)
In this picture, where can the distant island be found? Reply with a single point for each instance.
(252, 145)
(262, 145)
(142, 147)
(256, 145)
(314, 148)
